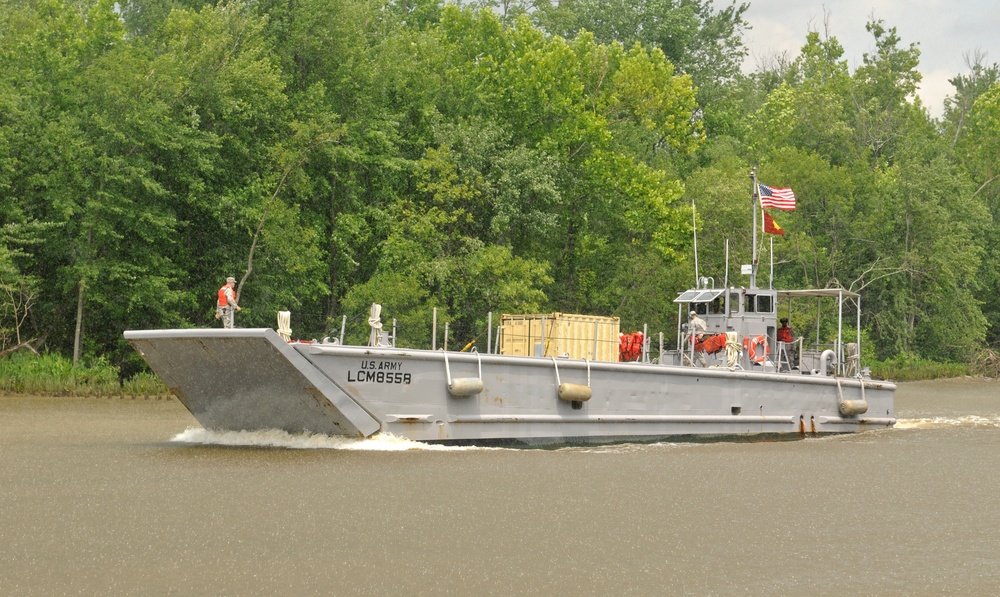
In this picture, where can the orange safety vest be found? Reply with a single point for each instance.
(630, 346)
(712, 344)
(222, 297)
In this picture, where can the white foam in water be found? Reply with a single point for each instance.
(971, 421)
(274, 438)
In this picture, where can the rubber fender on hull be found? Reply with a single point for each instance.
(461, 387)
(850, 408)
(574, 392)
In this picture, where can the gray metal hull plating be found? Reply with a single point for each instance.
(250, 379)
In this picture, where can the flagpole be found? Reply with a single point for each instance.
(763, 225)
(770, 279)
(754, 194)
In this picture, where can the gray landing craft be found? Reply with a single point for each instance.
(253, 379)
(546, 380)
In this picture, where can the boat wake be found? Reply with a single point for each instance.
(380, 442)
(967, 421)
(274, 438)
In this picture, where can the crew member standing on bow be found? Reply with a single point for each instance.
(227, 303)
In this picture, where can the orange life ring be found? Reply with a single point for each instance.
(758, 343)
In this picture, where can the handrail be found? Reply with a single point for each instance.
(464, 386)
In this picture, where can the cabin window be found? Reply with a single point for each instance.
(734, 303)
(765, 304)
(750, 304)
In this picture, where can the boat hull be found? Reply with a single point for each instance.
(251, 379)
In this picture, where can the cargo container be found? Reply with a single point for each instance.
(560, 334)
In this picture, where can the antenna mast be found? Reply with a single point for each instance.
(694, 228)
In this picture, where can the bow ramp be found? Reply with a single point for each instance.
(249, 379)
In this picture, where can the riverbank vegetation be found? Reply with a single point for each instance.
(523, 156)
(56, 375)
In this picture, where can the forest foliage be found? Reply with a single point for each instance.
(504, 157)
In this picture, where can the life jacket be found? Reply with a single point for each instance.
(711, 344)
(223, 302)
(784, 334)
(630, 346)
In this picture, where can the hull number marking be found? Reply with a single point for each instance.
(379, 372)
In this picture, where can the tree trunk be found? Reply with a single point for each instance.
(79, 323)
(331, 303)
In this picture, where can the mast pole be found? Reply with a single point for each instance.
(725, 283)
(770, 275)
(753, 202)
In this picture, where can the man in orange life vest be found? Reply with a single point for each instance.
(227, 303)
(785, 339)
(785, 332)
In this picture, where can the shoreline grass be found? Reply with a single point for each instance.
(54, 375)
(898, 372)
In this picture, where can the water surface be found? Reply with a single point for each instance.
(110, 496)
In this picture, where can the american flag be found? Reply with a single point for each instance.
(777, 198)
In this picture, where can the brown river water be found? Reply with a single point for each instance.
(131, 497)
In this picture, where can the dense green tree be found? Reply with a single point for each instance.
(153, 158)
(968, 87)
(699, 40)
(809, 108)
(883, 83)
(978, 150)
(521, 156)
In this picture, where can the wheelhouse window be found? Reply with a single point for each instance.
(758, 303)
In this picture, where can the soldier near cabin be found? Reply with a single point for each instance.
(784, 332)
(785, 339)
(697, 328)
(226, 306)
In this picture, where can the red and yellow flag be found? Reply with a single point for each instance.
(771, 227)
